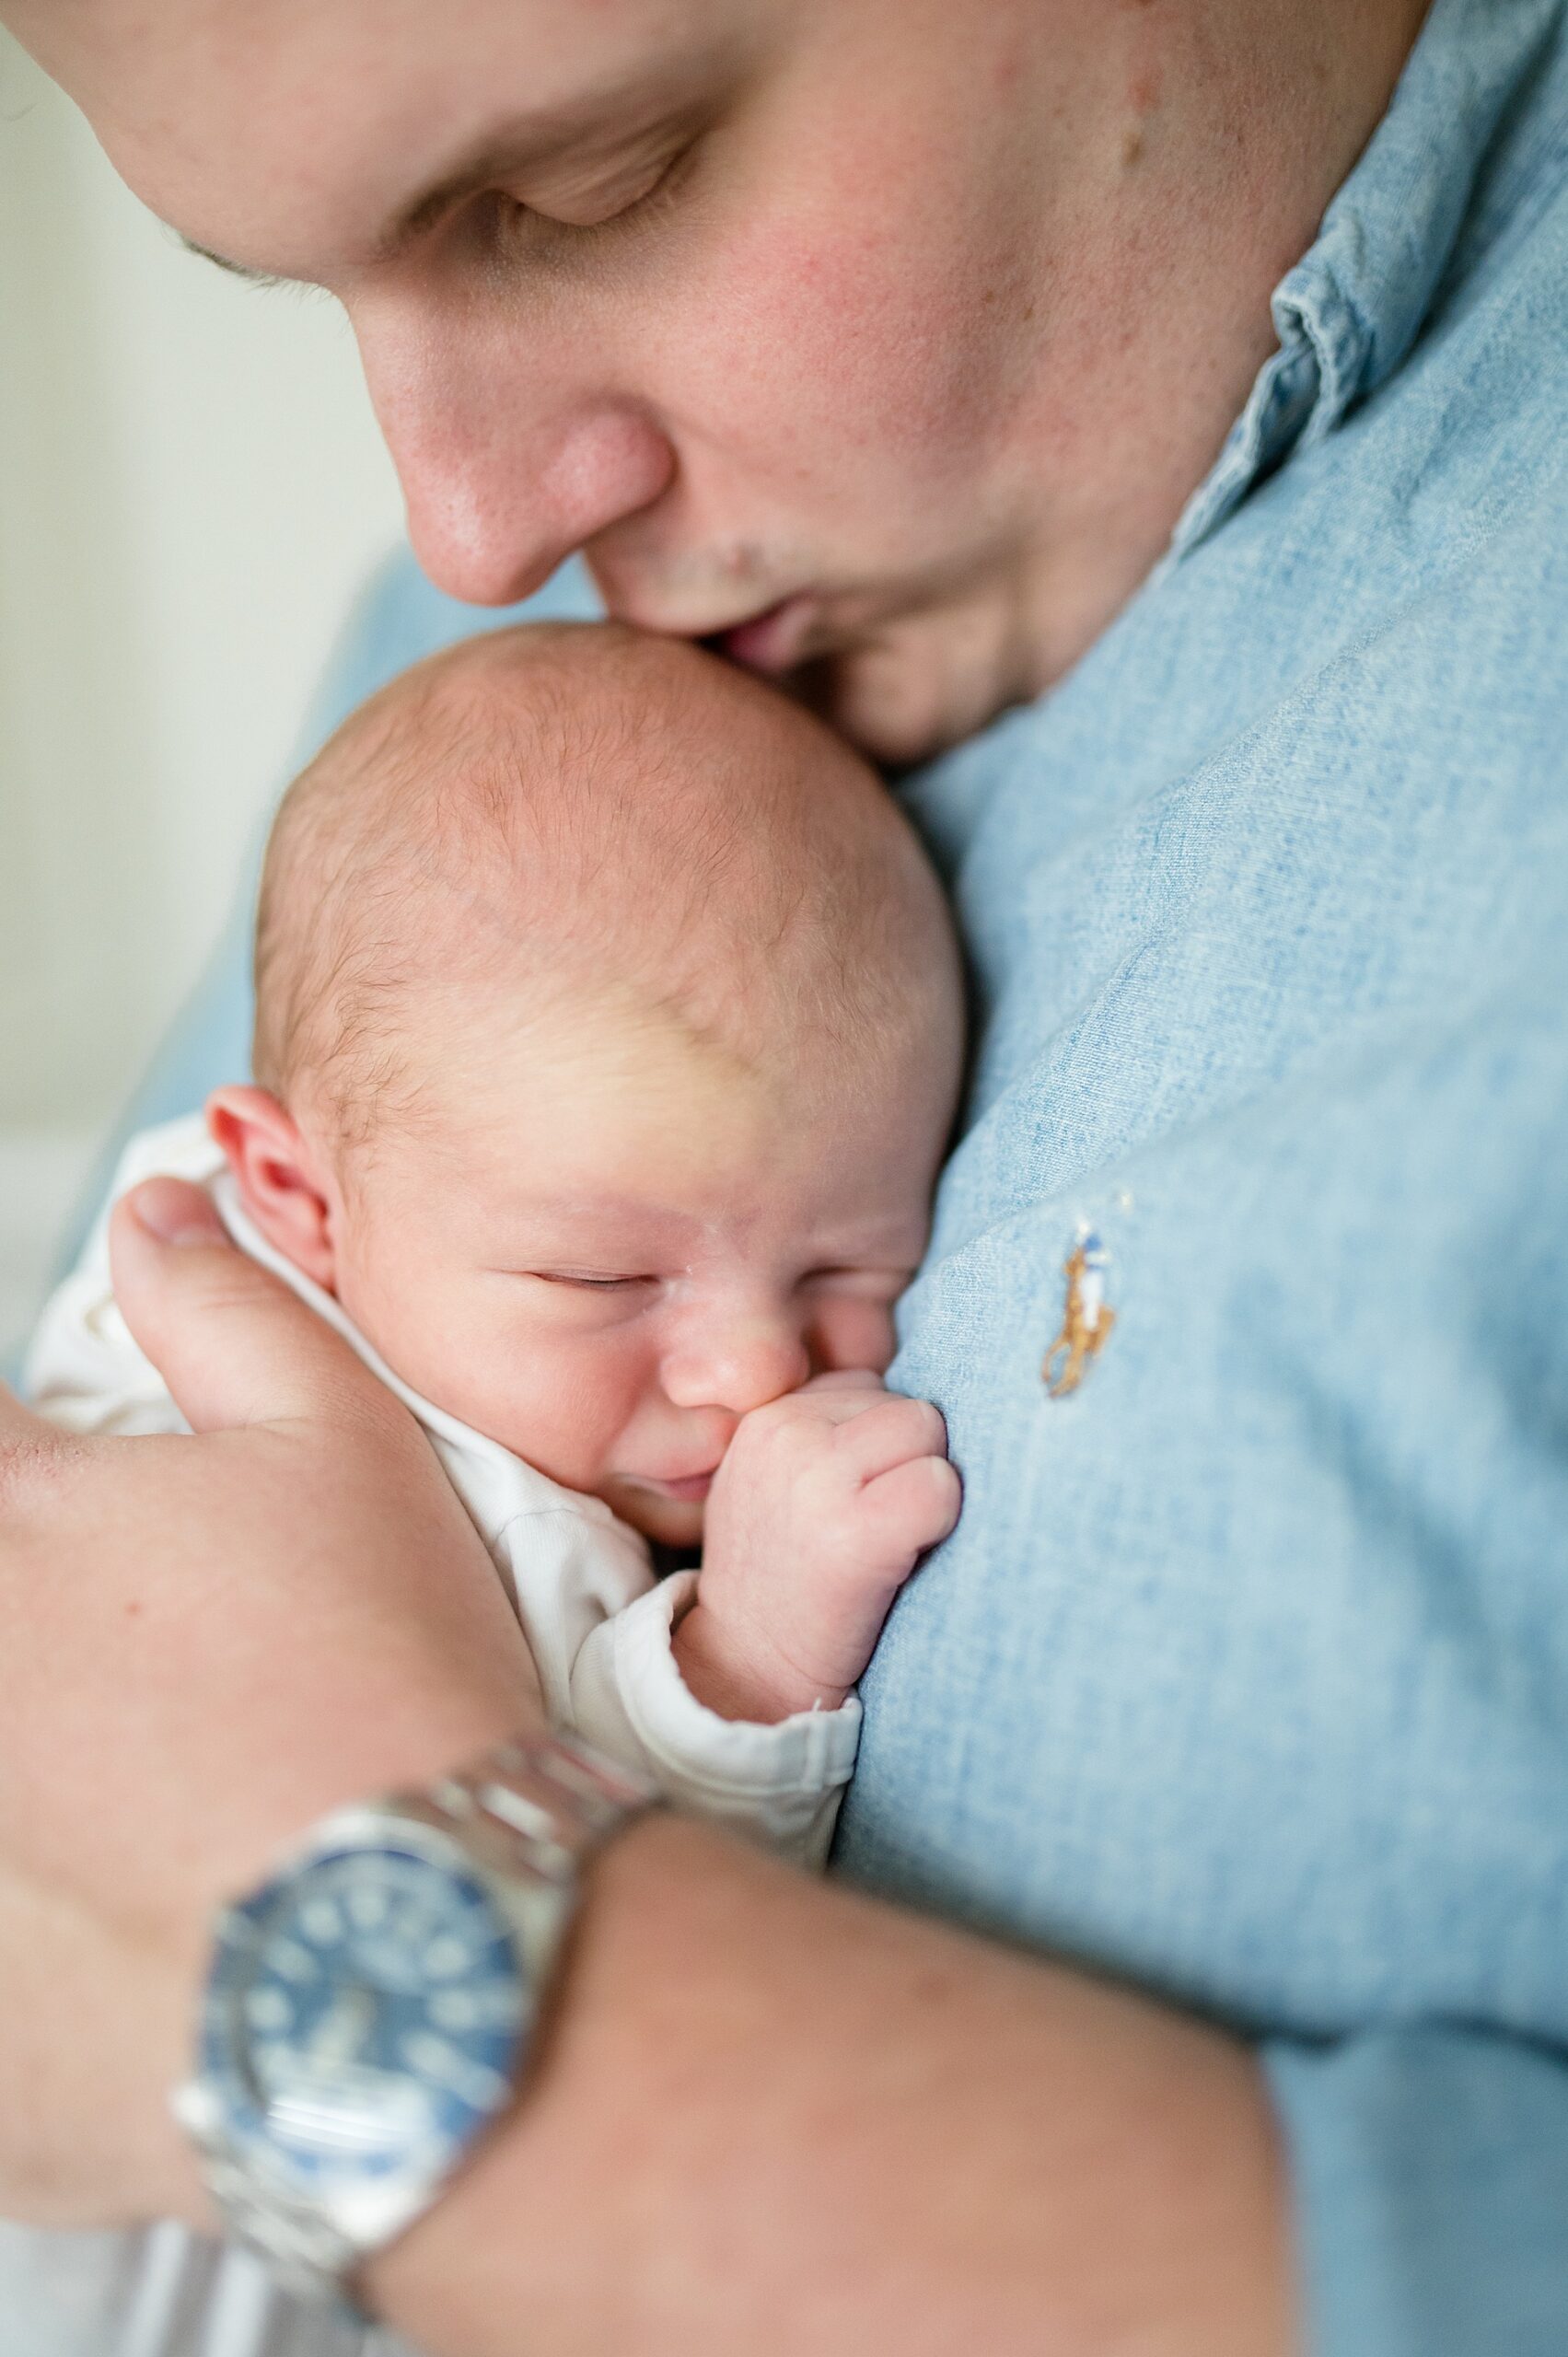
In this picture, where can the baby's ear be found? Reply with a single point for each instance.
(276, 1175)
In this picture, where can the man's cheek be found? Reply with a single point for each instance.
(836, 340)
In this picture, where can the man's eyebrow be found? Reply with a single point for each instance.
(629, 105)
(536, 138)
(531, 140)
(493, 161)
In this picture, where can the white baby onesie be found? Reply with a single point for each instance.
(598, 1623)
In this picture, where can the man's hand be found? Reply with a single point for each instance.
(768, 2115)
(205, 1642)
(825, 1501)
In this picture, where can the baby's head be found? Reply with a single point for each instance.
(608, 1036)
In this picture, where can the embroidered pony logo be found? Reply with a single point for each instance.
(1086, 1317)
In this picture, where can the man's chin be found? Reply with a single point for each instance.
(901, 701)
(901, 688)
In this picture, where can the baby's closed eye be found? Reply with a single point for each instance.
(573, 1296)
(581, 1278)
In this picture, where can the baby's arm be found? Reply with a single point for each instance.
(778, 1783)
(733, 1687)
(823, 1503)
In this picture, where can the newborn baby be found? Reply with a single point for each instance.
(608, 1036)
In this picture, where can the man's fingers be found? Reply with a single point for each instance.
(232, 1344)
(18, 1426)
(25, 1440)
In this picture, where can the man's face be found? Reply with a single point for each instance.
(814, 322)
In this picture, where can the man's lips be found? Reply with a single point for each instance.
(772, 642)
(773, 639)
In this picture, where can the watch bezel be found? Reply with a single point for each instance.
(366, 2207)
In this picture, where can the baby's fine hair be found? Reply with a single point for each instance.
(570, 808)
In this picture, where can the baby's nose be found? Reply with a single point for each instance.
(738, 1364)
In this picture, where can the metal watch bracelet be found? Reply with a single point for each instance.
(533, 1810)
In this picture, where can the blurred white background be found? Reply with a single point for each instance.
(191, 492)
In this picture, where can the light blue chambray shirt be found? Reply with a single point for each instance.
(1246, 1673)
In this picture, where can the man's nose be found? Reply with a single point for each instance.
(737, 1363)
(508, 463)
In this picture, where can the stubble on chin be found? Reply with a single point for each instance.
(916, 689)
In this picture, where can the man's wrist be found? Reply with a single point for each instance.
(160, 1972)
(745, 2062)
(343, 2074)
(428, 2281)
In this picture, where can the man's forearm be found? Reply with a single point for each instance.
(768, 2116)
(771, 2116)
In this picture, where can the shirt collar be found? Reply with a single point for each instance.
(1350, 311)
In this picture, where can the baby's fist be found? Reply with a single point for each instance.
(822, 1505)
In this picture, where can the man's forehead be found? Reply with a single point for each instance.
(289, 132)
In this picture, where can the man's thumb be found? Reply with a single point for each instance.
(233, 1344)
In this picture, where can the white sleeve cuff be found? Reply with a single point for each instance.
(780, 1782)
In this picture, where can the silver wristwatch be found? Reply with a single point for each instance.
(369, 2008)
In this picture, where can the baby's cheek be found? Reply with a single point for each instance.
(564, 1403)
(854, 1334)
(536, 1391)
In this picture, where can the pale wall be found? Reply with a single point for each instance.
(192, 489)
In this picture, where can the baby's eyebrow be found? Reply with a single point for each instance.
(615, 1219)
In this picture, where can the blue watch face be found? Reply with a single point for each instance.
(365, 2015)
